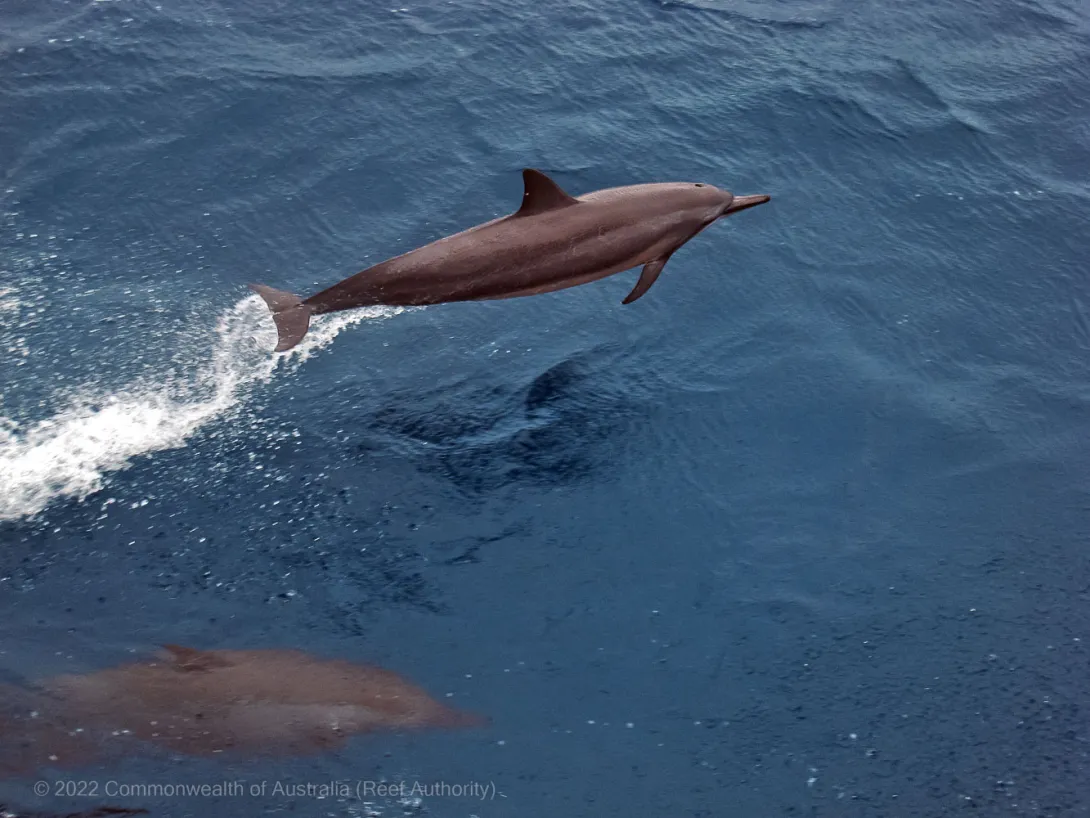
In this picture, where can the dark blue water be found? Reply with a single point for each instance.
(801, 532)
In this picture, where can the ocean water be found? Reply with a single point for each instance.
(801, 532)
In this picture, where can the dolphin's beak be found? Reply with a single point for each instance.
(745, 202)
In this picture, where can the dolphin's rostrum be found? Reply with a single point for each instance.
(553, 241)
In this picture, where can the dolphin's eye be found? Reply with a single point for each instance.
(698, 184)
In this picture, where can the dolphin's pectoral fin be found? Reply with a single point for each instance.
(650, 273)
(542, 194)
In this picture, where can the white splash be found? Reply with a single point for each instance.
(70, 453)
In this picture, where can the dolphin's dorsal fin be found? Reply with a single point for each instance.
(192, 659)
(542, 194)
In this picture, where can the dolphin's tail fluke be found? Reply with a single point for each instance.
(291, 315)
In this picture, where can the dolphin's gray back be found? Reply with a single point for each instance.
(518, 255)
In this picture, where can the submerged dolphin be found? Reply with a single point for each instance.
(205, 702)
(553, 241)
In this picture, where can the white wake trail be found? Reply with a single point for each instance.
(70, 453)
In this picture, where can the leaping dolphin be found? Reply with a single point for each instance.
(551, 242)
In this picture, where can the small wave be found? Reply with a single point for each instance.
(69, 454)
(811, 14)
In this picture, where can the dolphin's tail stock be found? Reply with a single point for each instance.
(291, 315)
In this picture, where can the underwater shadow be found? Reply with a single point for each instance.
(565, 425)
